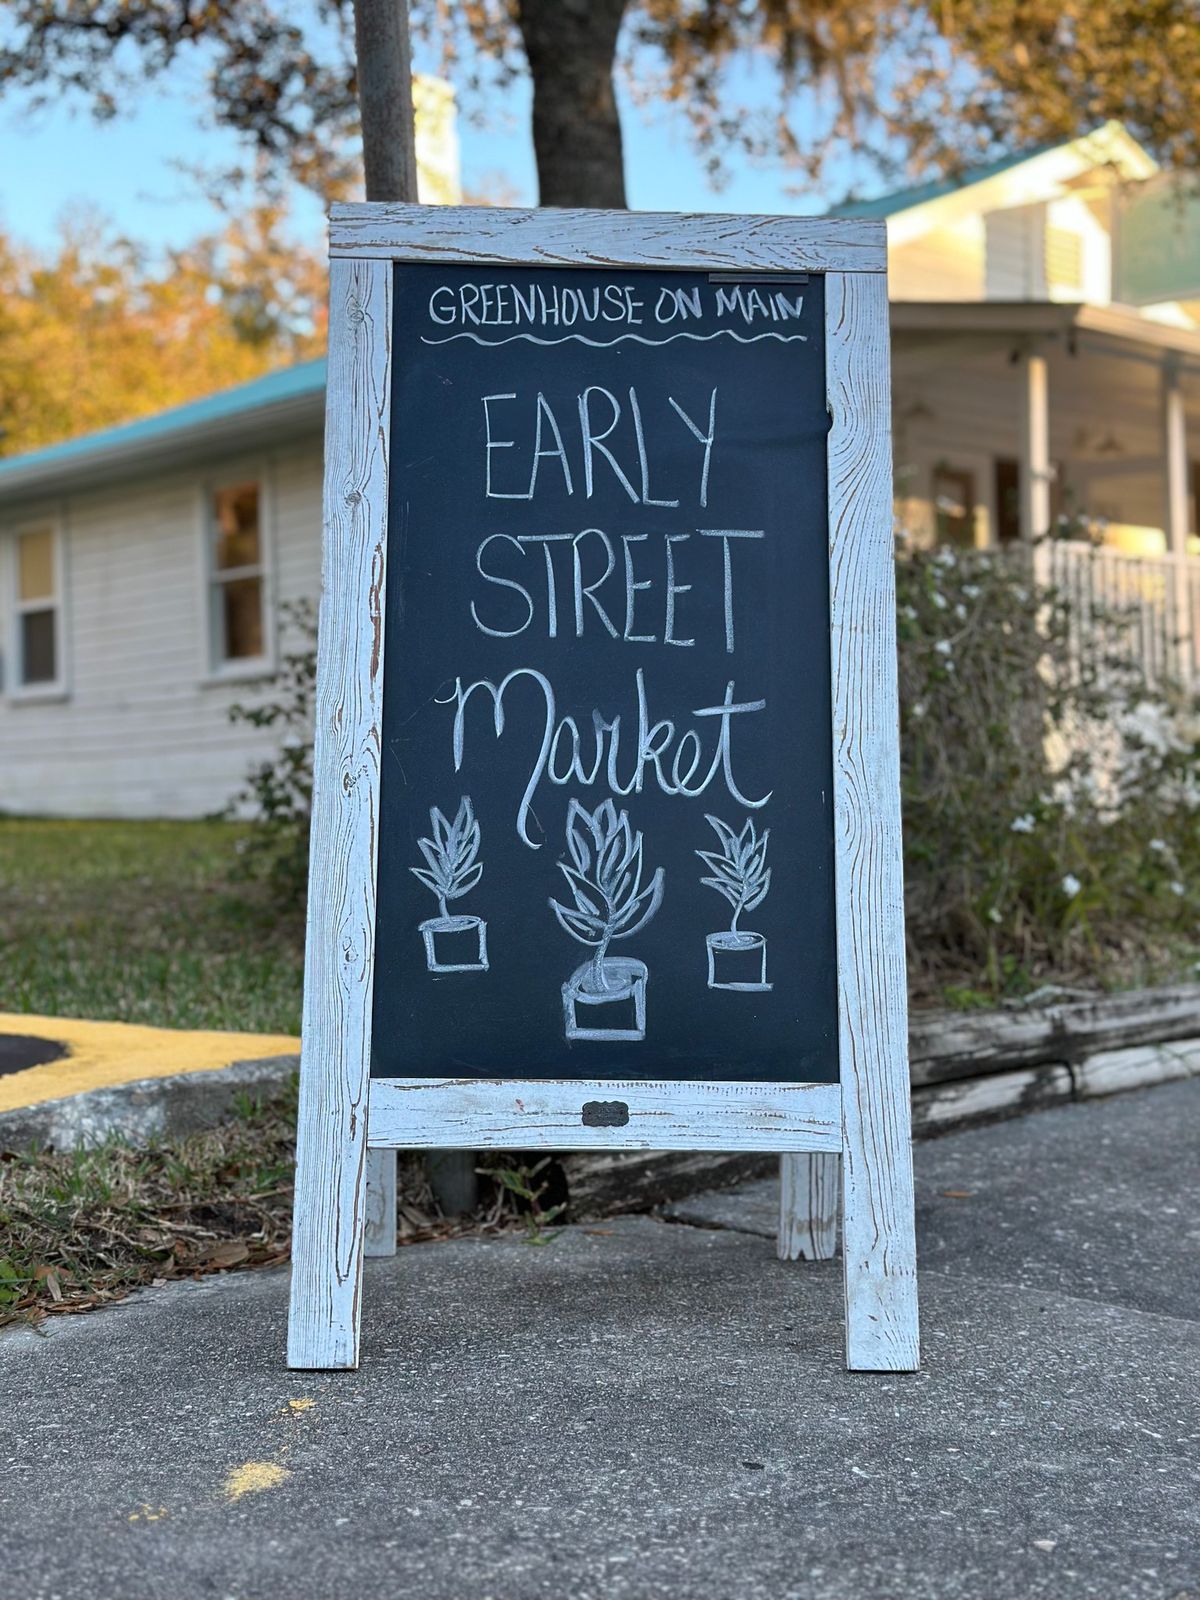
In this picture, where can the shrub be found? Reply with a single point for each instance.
(278, 791)
(1051, 795)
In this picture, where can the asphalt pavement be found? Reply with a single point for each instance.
(657, 1407)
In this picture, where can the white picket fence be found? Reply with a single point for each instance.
(1125, 608)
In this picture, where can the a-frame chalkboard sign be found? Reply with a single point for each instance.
(606, 825)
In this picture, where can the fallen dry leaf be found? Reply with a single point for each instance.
(227, 1254)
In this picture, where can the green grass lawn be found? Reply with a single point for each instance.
(143, 922)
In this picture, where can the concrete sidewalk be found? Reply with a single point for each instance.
(652, 1408)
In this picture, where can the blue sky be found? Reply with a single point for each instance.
(57, 158)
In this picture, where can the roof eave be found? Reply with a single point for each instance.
(114, 461)
(1046, 318)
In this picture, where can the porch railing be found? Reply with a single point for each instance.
(1126, 608)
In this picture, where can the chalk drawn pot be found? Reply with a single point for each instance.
(617, 1011)
(455, 944)
(737, 961)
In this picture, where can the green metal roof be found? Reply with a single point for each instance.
(887, 205)
(132, 439)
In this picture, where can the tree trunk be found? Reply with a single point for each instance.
(571, 47)
(385, 100)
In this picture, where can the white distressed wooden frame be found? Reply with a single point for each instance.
(865, 1118)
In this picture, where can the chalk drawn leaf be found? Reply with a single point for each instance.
(579, 888)
(465, 883)
(441, 827)
(582, 834)
(436, 858)
(760, 894)
(718, 864)
(647, 903)
(730, 890)
(427, 878)
(725, 833)
(588, 930)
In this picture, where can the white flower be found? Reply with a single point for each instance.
(909, 613)
(945, 556)
(994, 915)
(1023, 824)
(1158, 846)
(1071, 885)
(938, 599)
(919, 708)
(972, 591)
(943, 647)
(1177, 888)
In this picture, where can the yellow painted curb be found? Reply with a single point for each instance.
(102, 1054)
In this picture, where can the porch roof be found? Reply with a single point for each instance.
(1042, 320)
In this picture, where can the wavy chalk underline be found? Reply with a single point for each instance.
(606, 344)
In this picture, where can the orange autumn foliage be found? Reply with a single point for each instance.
(97, 331)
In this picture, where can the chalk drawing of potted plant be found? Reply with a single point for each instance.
(606, 997)
(452, 944)
(738, 959)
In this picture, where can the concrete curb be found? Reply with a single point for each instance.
(601, 1182)
(147, 1107)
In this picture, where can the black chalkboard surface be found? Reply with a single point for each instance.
(605, 845)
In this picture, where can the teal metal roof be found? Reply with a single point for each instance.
(887, 205)
(305, 379)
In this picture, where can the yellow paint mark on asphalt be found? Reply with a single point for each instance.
(253, 1477)
(103, 1054)
(301, 1405)
(149, 1514)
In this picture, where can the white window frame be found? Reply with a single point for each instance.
(55, 688)
(213, 668)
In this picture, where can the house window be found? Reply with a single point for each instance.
(954, 506)
(237, 575)
(37, 620)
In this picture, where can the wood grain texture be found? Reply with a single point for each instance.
(1114, 1071)
(877, 1216)
(339, 952)
(1004, 1094)
(380, 1236)
(809, 1203)
(703, 242)
(451, 1113)
(963, 1044)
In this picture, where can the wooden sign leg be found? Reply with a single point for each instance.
(381, 1203)
(810, 1189)
(339, 956)
(878, 1244)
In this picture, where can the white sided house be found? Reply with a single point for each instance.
(1046, 353)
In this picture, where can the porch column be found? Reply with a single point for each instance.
(1175, 519)
(1035, 448)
